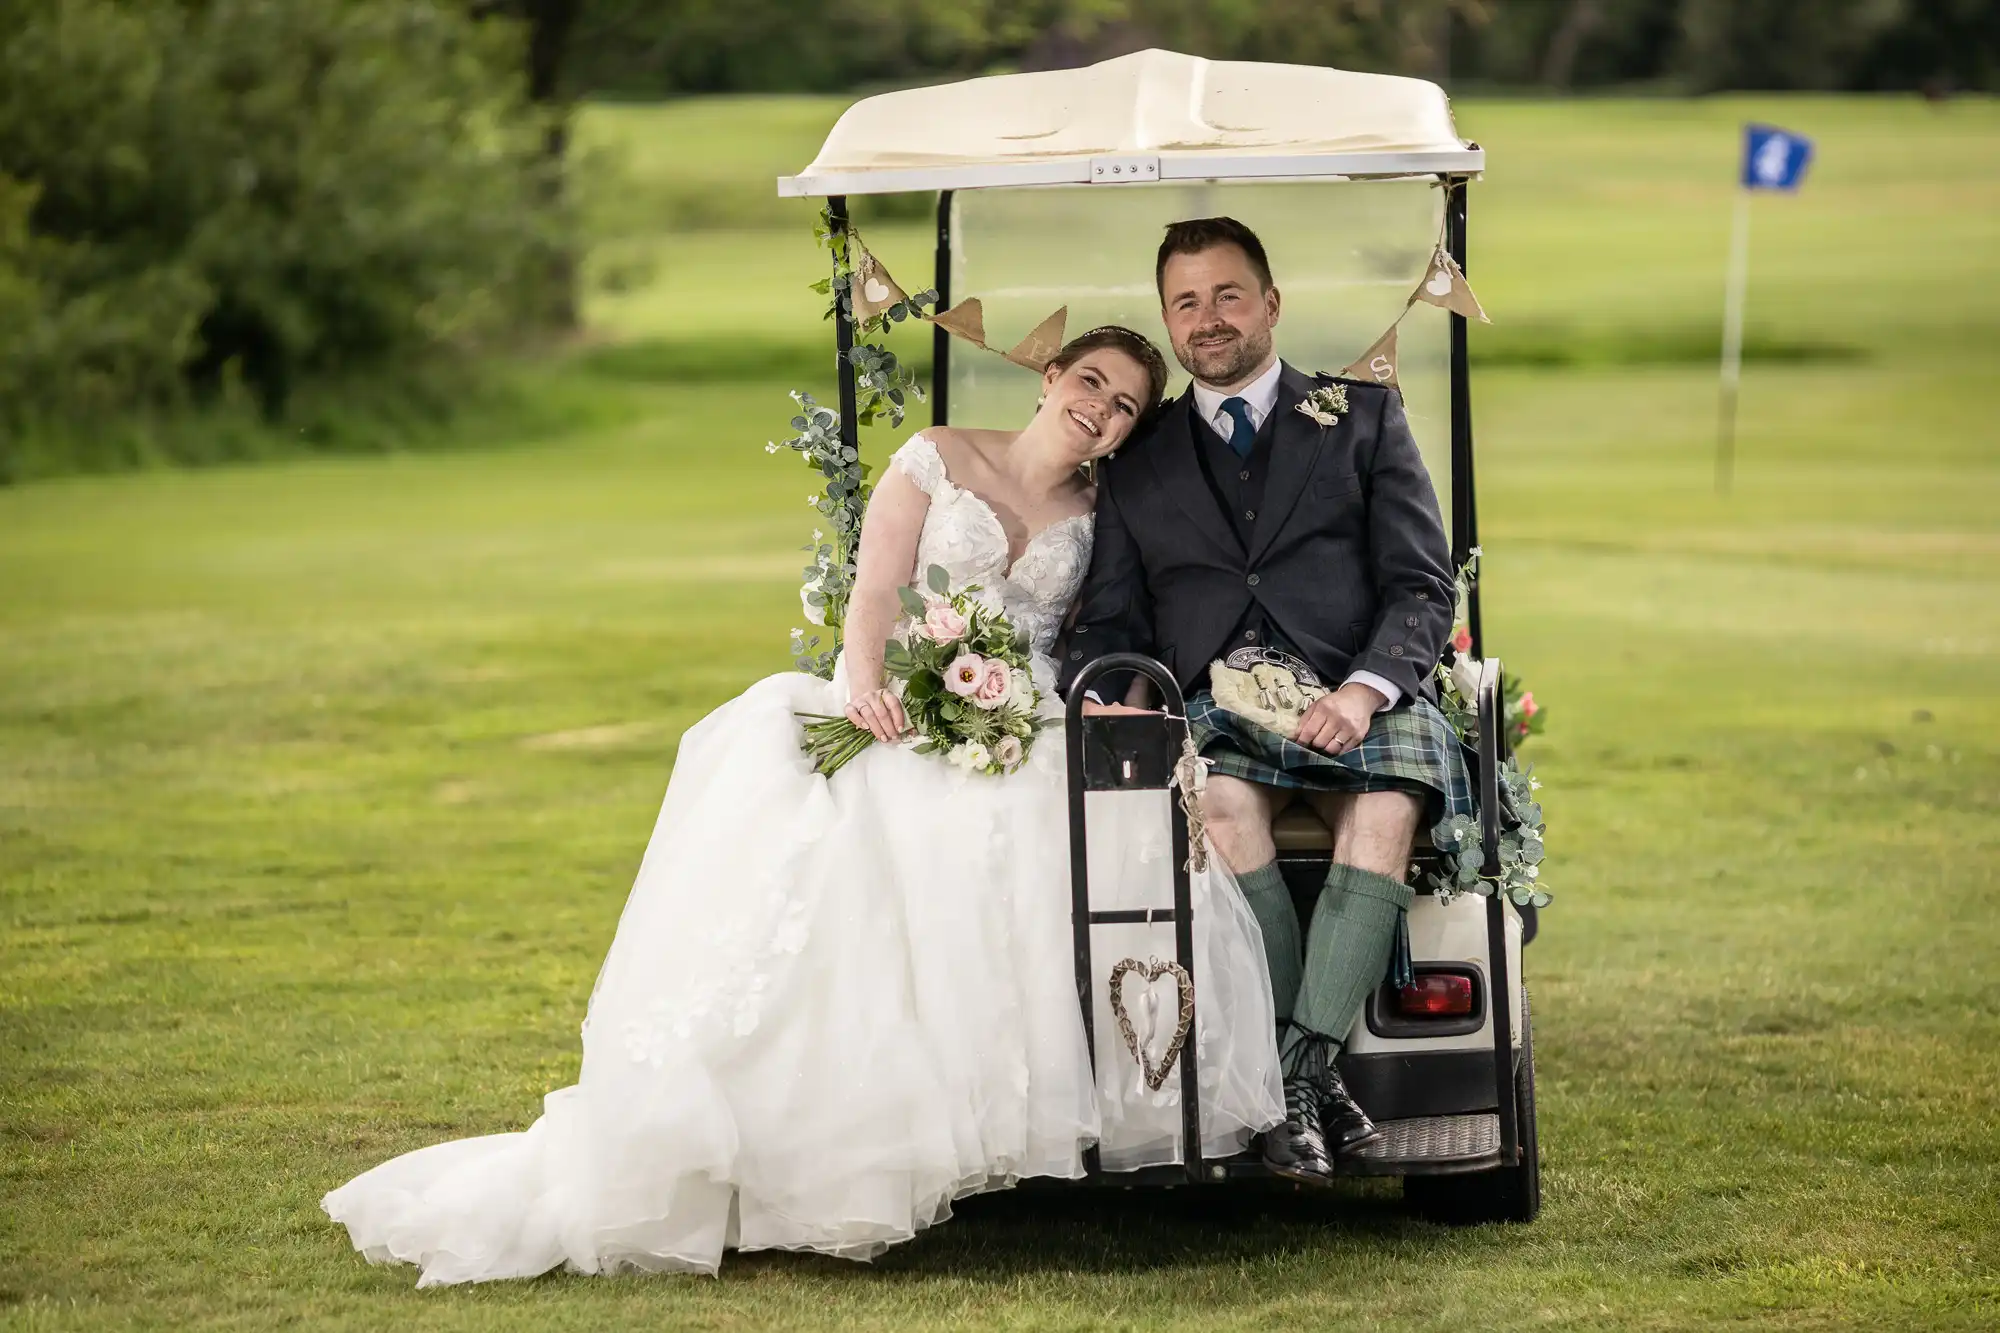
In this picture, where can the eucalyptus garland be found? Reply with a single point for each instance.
(1457, 838)
(883, 386)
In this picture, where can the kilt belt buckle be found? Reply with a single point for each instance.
(1243, 659)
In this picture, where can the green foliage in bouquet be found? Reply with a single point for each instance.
(967, 687)
(1457, 837)
(883, 387)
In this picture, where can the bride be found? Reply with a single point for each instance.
(833, 1006)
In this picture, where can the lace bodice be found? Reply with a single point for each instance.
(962, 533)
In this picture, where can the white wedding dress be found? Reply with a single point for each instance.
(834, 1006)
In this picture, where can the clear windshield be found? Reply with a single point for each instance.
(1345, 255)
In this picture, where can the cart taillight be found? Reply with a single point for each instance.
(1436, 995)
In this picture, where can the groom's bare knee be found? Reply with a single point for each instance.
(1238, 817)
(1372, 830)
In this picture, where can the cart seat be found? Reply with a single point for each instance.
(1298, 832)
(1301, 838)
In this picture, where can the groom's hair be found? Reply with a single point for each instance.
(1197, 234)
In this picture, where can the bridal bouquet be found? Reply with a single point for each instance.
(966, 690)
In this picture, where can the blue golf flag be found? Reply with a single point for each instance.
(1774, 159)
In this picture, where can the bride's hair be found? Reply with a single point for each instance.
(1118, 338)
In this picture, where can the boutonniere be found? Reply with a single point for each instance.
(1325, 404)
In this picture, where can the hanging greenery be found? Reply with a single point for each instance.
(883, 387)
(1457, 837)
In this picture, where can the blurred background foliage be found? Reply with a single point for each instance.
(219, 218)
(646, 49)
(215, 202)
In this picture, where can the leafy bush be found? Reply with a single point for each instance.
(254, 192)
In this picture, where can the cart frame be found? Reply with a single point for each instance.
(1112, 753)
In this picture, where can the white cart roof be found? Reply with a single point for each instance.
(1149, 116)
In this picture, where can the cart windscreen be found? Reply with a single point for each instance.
(1345, 256)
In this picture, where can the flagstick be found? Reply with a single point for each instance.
(1732, 343)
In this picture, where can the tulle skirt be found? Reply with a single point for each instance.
(833, 1007)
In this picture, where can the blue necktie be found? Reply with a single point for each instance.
(1241, 434)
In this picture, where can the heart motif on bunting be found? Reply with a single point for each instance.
(1154, 1074)
(1444, 284)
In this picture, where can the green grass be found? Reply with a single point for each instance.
(322, 782)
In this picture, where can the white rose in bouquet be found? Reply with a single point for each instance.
(1465, 678)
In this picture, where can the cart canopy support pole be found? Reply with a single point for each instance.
(940, 340)
(1492, 722)
(1464, 503)
(843, 337)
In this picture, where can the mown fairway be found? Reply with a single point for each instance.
(321, 783)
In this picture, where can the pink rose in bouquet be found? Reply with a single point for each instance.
(1461, 639)
(943, 623)
(995, 686)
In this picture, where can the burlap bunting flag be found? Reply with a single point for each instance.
(965, 320)
(1378, 364)
(1444, 285)
(1042, 343)
(874, 291)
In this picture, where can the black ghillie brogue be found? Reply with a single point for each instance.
(1343, 1124)
(1296, 1148)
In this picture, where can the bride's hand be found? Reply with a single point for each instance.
(879, 713)
(1092, 708)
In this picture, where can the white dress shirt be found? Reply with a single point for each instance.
(1260, 396)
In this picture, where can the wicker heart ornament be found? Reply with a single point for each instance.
(1155, 1075)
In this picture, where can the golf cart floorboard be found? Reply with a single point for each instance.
(1434, 1145)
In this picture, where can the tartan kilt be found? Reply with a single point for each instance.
(1409, 749)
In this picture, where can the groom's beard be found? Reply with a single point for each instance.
(1223, 362)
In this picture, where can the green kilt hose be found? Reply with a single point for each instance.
(1409, 749)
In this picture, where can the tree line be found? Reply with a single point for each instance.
(206, 200)
(642, 48)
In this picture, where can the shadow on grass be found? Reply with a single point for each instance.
(1037, 1230)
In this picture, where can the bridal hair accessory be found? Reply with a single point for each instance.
(1152, 970)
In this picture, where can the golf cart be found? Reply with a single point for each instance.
(1053, 187)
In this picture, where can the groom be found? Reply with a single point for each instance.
(1242, 530)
